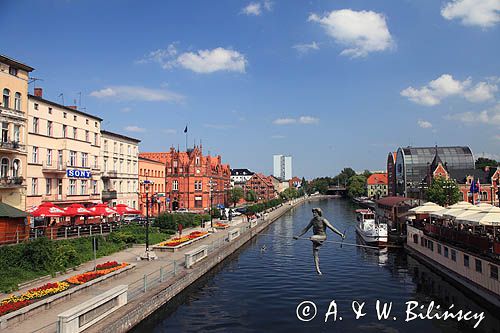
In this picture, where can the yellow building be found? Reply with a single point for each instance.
(63, 154)
(120, 177)
(14, 78)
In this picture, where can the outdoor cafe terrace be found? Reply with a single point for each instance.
(474, 228)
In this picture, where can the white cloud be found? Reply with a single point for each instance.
(445, 86)
(304, 48)
(482, 13)
(257, 8)
(278, 136)
(137, 93)
(360, 32)
(481, 92)
(253, 8)
(135, 129)
(306, 120)
(424, 124)
(126, 109)
(489, 116)
(284, 121)
(201, 61)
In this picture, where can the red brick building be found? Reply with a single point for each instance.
(193, 181)
(295, 182)
(488, 179)
(262, 186)
(152, 172)
(391, 173)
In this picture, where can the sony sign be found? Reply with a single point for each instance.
(72, 173)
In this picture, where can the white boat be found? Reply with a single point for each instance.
(369, 230)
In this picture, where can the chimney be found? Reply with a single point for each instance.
(74, 107)
(38, 92)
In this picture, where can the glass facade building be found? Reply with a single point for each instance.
(413, 164)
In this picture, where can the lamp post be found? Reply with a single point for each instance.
(148, 254)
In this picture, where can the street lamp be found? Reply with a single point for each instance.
(148, 255)
(211, 204)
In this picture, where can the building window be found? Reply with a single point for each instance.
(74, 118)
(65, 131)
(453, 255)
(87, 136)
(96, 166)
(446, 252)
(49, 128)
(65, 115)
(96, 139)
(83, 187)
(75, 133)
(439, 248)
(49, 156)
(17, 133)
(17, 101)
(129, 150)
(13, 71)
(72, 187)
(50, 110)
(6, 98)
(34, 186)
(106, 145)
(94, 187)
(72, 158)
(5, 132)
(494, 272)
(85, 157)
(48, 185)
(95, 124)
(35, 125)
(16, 166)
(128, 166)
(466, 260)
(175, 185)
(34, 157)
(86, 121)
(4, 169)
(479, 266)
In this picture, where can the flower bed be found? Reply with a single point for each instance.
(220, 225)
(179, 240)
(14, 302)
(91, 275)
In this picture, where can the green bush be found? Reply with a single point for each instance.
(260, 207)
(168, 222)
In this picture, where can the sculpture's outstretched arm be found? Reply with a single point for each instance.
(304, 230)
(332, 228)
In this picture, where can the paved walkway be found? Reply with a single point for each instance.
(44, 321)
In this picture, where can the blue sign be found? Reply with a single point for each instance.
(73, 173)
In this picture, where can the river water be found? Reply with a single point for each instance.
(258, 290)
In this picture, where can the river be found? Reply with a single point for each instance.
(259, 287)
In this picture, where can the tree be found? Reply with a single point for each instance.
(235, 195)
(367, 173)
(356, 186)
(304, 185)
(483, 162)
(289, 193)
(251, 196)
(443, 191)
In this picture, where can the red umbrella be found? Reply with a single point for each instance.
(102, 210)
(77, 210)
(48, 209)
(123, 209)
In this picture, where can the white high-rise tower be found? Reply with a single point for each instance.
(282, 167)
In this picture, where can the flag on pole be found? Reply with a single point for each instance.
(186, 129)
(479, 192)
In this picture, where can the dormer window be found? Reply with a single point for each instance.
(13, 71)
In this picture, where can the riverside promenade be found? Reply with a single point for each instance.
(151, 283)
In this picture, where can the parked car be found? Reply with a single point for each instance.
(182, 210)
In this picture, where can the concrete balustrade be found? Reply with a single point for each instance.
(253, 223)
(90, 312)
(233, 234)
(192, 257)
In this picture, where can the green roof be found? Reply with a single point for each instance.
(9, 211)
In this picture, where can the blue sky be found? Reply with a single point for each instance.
(333, 83)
